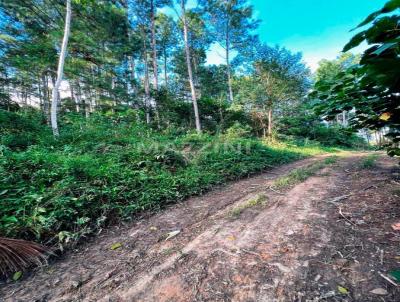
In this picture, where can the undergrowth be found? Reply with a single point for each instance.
(103, 170)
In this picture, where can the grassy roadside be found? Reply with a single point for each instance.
(102, 172)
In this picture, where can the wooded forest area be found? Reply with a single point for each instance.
(110, 111)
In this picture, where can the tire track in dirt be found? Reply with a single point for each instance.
(233, 247)
(215, 257)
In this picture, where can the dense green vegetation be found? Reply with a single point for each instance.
(107, 168)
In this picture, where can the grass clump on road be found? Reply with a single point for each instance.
(301, 174)
(260, 199)
(369, 161)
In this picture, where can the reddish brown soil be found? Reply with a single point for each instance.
(300, 245)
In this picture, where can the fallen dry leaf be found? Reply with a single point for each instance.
(396, 226)
(379, 291)
(385, 116)
(172, 234)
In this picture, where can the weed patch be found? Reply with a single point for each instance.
(260, 199)
(301, 174)
(369, 161)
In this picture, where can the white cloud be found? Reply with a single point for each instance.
(215, 55)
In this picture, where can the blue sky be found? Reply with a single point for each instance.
(317, 28)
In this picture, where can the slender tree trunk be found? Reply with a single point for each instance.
(131, 60)
(87, 108)
(79, 95)
(132, 63)
(165, 68)
(60, 69)
(46, 97)
(195, 77)
(146, 80)
(86, 101)
(75, 98)
(228, 64)
(189, 67)
(270, 122)
(155, 63)
(40, 93)
(132, 74)
(154, 44)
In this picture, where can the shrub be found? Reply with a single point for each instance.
(20, 130)
(238, 131)
(104, 169)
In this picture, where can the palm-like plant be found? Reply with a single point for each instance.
(16, 255)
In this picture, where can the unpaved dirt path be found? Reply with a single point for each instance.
(300, 244)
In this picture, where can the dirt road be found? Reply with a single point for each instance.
(328, 238)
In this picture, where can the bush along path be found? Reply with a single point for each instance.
(324, 228)
(101, 171)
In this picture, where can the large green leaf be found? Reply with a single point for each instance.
(389, 7)
(355, 41)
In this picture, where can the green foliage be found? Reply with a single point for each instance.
(278, 81)
(372, 87)
(305, 126)
(237, 131)
(328, 70)
(104, 169)
(18, 131)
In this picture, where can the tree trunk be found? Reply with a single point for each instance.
(46, 97)
(165, 68)
(75, 99)
(189, 67)
(40, 93)
(195, 77)
(228, 64)
(146, 80)
(154, 45)
(60, 69)
(78, 94)
(132, 75)
(270, 122)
